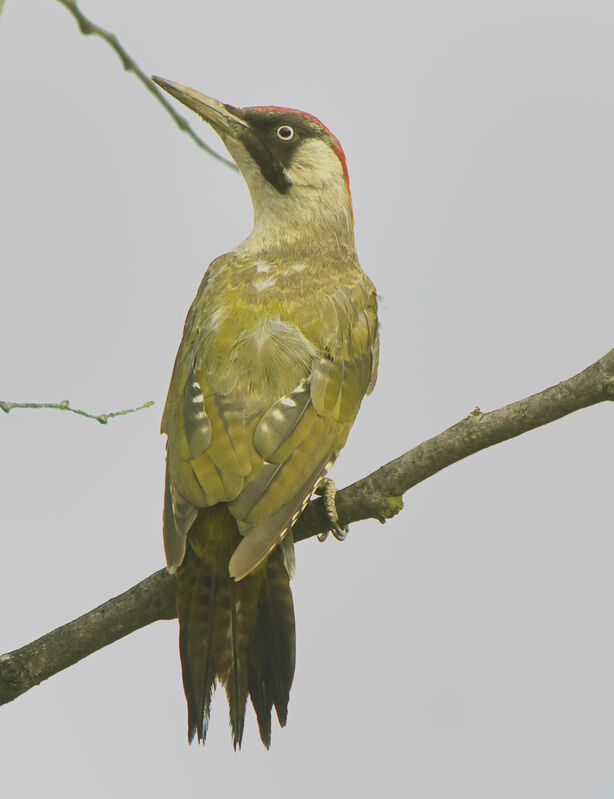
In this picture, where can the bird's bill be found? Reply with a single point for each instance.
(212, 111)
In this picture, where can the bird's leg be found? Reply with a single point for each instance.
(328, 491)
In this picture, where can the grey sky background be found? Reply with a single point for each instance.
(465, 649)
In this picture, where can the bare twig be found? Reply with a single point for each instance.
(376, 496)
(64, 405)
(88, 28)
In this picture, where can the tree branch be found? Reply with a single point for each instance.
(64, 405)
(149, 600)
(376, 496)
(89, 28)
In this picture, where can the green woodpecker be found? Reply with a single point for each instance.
(278, 350)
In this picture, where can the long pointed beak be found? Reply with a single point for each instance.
(218, 115)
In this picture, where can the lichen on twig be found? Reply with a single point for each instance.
(64, 405)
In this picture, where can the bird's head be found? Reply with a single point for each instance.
(294, 167)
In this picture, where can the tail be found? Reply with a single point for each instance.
(241, 633)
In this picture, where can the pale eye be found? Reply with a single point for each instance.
(285, 133)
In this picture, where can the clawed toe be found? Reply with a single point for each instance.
(328, 491)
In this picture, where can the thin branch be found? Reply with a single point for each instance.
(64, 405)
(89, 28)
(376, 496)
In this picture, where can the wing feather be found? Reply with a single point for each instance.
(326, 383)
(263, 454)
(195, 420)
(303, 461)
(229, 448)
(296, 437)
(260, 540)
(276, 425)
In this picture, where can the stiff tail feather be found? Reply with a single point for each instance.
(240, 633)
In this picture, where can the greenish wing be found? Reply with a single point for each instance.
(265, 464)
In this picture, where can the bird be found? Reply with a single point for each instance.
(279, 348)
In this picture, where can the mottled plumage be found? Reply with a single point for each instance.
(279, 348)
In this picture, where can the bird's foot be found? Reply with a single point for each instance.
(328, 491)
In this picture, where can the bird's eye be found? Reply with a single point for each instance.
(285, 133)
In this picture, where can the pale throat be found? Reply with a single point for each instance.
(316, 210)
(309, 217)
